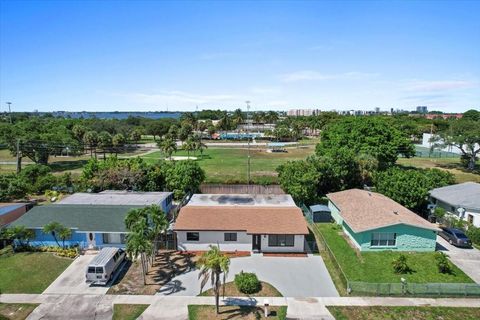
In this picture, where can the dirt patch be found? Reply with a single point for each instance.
(230, 254)
(235, 312)
(266, 290)
(17, 311)
(166, 266)
(285, 254)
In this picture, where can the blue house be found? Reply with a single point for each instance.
(96, 220)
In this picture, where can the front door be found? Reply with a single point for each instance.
(256, 242)
(91, 240)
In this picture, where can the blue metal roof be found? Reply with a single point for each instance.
(6, 209)
(276, 144)
(319, 208)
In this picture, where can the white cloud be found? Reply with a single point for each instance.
(441, 85)
(312, 75)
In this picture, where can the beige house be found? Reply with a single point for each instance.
(258, 223)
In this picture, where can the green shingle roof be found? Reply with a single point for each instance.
(81, 217)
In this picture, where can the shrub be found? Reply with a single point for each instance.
(443, 264)
(400, 264)
(474, 234)
(247, 282)
(439, 212)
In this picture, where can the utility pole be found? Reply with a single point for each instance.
(248, 137)
(9, 111)
(19, 157)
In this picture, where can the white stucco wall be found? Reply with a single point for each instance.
(298, 245)
(453, 210)
(243, 243)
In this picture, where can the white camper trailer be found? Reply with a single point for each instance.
(104, 265)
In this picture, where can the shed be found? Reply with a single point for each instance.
(320, 213)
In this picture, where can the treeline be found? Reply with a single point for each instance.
(179, 177)
(357, 152)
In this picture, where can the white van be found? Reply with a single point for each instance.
(104, 265)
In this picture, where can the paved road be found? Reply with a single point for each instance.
(467, 259)
(293, 277)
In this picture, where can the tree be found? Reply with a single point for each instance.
(464, 135)
(238, 117)
(367, 135)
(56, 229)
(299, 179)
(12, 187)
(471, 114)
(189, 145)
(168, 146)
(184, 177)
(137, 245)
(213, 264)
(64, 234)
(410, 187)
(118, 141)
(91, 139)
(199, 145)
(185, 131)
(211, 130)
(225, 122)
(271, 117)
(105, 141)
(78, 132)
(136, 135)
(19, 233)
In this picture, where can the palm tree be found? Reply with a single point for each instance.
(213, 263)
(238, 117)
(64, 234)
(201, 147)
(53, 228)
(91, 139)
(158, 224)
(188, 146)
(138, 245)
(168, 146)
(105, 141)
(118, 140)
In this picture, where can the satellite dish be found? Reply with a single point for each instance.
(431, 206)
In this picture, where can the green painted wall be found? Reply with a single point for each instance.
(409, 238)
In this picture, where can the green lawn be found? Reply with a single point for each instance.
(15, 311)
(377, 267)
(201, 312)
(404, 313)
(29, 272)
(128, 311)
(228, 165)
(451, 165)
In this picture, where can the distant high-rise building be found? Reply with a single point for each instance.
(377, 110)
(422, 109)
(303, 112)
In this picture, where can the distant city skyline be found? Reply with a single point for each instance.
(177, 56)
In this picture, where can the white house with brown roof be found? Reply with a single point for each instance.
(375, 222)
(240, 222)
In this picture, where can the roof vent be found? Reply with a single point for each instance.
(395, 212)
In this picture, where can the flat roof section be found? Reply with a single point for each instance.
(266, 200)
(121, 198)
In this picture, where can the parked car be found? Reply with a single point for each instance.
(101, 269)
(456, 237)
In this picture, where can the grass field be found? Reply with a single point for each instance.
(377, 267)
(448, 164)
(201, 312)
(224, 165)
(128, 311)
(404, 313)
(267, 290)
(15, 311)
(29, 272)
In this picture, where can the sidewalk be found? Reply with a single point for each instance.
(53, 306)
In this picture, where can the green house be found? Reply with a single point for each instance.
(374, 222)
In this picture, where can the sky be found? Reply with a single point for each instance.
(157, 56)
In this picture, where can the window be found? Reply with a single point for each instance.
(193, 236)
(383, 239)
(470, 218)
(230, 236)
(123, 237)
(91, 270)
(99, 270)
(281, 240)
(113, 238)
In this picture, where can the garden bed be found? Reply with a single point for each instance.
(200, 312)
(267, 290)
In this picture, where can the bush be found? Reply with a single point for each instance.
(400, 265)
(443, 264)
(247, 282)
(474, 234)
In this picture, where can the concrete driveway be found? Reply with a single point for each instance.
(467, 259)
(72, 280)
(293, 277)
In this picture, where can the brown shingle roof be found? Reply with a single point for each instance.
(363, 210)
(252, 219)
